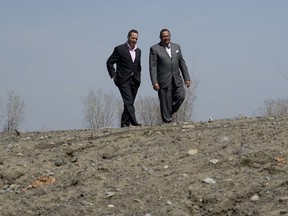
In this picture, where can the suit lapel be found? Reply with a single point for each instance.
(136, 54)
(163, 49)
(173, 51)
(127, 52)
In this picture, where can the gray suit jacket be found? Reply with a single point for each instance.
(163, 68)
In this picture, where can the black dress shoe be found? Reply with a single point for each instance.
(125, 125)
(137, 125)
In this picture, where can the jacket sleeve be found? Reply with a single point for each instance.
(183, 66)
(111, 61)
(139, 66)
(153, 66)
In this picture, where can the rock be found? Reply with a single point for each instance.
(21, 163)
(192, 152)
(74, 159)
(214, 161)
(254, 198)
(110, 194)
(58, 162)
(209, 181)
(85, 203)
(12, 186)
(169, 202)
(282, 199)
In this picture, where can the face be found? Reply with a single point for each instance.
(165, 37)
(132, 39)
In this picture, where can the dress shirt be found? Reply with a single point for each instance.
(168, 49)
(132, 52)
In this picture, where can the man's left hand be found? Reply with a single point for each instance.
(187, 83)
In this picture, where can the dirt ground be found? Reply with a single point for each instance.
(224, 167)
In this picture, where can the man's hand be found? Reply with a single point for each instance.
(156, 86)
(187, 83)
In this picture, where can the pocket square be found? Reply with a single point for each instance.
(177, 51)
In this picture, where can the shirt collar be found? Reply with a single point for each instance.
(168, 46)
(130, 48)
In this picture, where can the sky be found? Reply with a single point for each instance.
(53, 52)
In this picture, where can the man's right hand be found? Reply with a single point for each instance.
(156, 86)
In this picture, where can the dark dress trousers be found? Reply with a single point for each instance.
(127, 77)
(165, 71)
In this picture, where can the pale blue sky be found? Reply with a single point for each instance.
(53, 52)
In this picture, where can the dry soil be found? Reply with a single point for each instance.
(224, 167)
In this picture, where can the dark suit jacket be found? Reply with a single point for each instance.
(125, 67)
(163, 68)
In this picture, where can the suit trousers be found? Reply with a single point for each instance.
(128, 91)
(170, 99)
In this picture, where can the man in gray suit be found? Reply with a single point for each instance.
(165, 63)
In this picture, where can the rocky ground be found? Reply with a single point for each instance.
(224, 167)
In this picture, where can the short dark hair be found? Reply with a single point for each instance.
(132, 31)
(164, 30)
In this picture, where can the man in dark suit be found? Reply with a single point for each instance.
(127, 75)
(165, 63)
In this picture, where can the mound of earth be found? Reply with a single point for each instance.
(222, 167)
